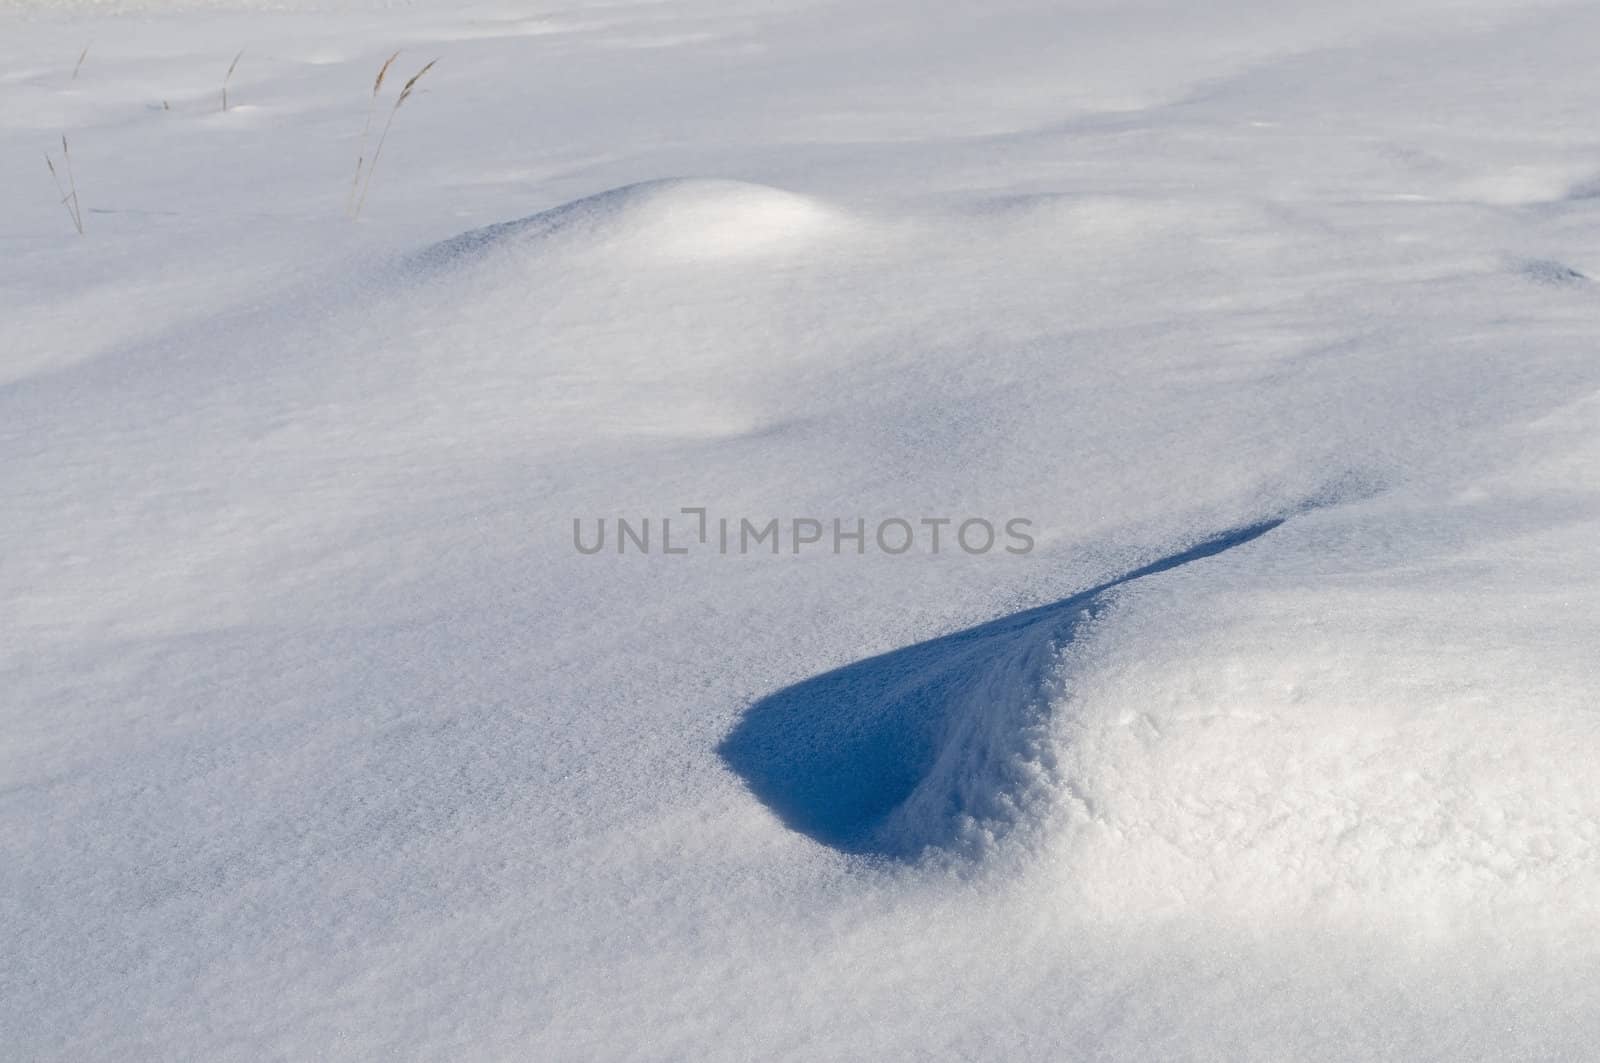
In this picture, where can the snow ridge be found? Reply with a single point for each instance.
(669, 220)
(932, 744)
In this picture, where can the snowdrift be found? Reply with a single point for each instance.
(321, 739)
(664, 221)
(932, 744)
(1203, 738)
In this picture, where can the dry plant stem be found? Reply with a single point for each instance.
(72, 184)
(366, 131)
(69, 194)
(405, 94)
(79, 66)
(229, 77)
(66, 200)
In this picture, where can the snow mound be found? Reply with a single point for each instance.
(1199, 743)
(671, 221)
(1281, 769)
(933, 744)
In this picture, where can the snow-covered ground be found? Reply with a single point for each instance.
(1274, 323)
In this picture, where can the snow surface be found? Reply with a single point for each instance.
(320, 739)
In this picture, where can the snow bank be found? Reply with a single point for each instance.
(680, 220)
(918, 747)
(1363, 756)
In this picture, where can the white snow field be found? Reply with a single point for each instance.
(322, 739)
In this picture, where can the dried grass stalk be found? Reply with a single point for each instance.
(405, 94)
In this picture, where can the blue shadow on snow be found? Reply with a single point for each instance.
(833, 755)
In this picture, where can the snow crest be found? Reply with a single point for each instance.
(667, 221)
(939, 744)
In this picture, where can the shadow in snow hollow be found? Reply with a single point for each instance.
(885, 756)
